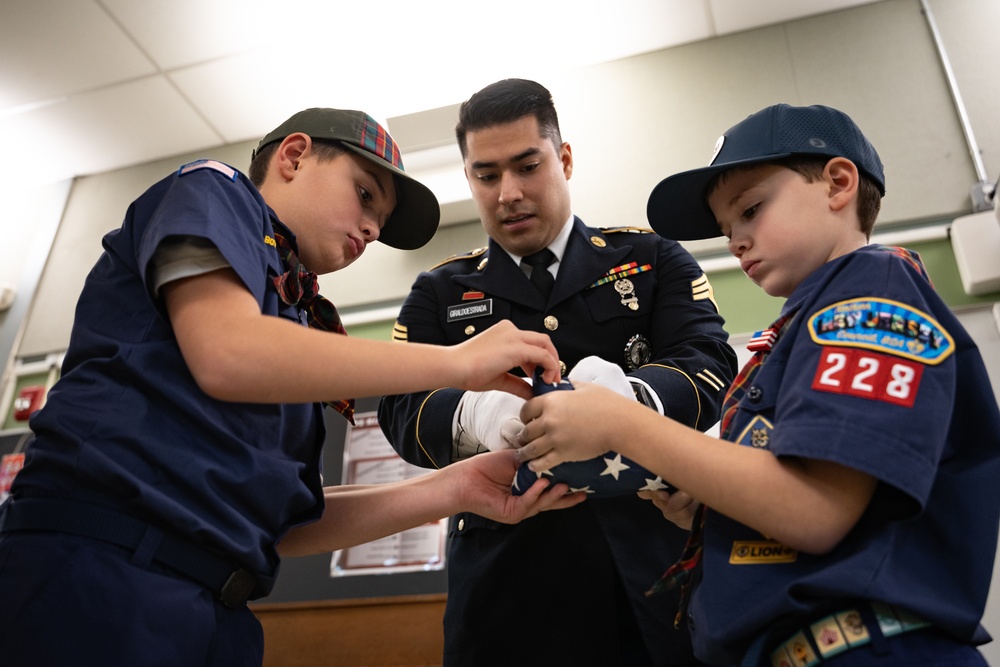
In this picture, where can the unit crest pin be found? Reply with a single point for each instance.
(637, 352)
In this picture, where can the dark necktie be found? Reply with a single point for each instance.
(540, 276)
(680, 573)
(298, 286)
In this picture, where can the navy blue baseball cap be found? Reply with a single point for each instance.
(678, 206)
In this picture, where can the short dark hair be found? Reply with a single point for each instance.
(505, 102)
(324, 150)
(811, 168)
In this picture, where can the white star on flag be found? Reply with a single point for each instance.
(601, 477)
(654, 484)
(615, 466)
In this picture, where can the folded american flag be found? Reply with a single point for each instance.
(603, 477)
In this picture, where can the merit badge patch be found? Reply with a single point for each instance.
(884, 326)
(756, 434)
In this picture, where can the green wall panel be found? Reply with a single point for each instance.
(746, 308)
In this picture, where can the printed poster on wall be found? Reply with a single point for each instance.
(370, 459)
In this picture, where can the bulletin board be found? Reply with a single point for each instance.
(370, 459)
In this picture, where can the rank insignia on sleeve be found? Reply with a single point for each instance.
(400, 333)
(885, 326)
(702, 289)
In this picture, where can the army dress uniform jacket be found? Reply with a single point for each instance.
(630, 297)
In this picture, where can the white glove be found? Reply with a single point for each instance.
(489, 419)
(604, 373)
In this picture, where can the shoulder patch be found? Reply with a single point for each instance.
(454, 258)
(626, 230)
(229, 172)
(884, 326)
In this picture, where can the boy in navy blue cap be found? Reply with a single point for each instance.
(849, 508)
(179, 453)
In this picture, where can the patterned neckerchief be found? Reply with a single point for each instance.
(298, 286)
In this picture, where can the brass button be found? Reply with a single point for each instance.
(551, 323)
(461, 524)
(562, 368)
(469, 330)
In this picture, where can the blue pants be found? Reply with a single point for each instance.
(67, 600)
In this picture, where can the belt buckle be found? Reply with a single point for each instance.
(236, 591)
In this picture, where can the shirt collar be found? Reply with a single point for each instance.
(558, 246)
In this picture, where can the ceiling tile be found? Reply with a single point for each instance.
(736, 15)
(177, 33)
(247, 95)
(107, 83)
(125, 125)
(53, 48)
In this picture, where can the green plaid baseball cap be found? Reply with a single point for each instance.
(415, 219)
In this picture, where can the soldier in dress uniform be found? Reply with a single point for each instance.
(624, 308)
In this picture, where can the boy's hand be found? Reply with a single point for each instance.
(485, 489)
(571, 425)
(677, 507)
(486, 359)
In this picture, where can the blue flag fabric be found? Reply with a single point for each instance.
(603, 477)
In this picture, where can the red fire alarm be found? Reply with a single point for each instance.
(28, 400)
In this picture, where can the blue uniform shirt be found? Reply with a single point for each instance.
(874, 373)
(127, 426)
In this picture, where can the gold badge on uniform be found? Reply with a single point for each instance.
(637, 352)
(626, 290)
(761, 552)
